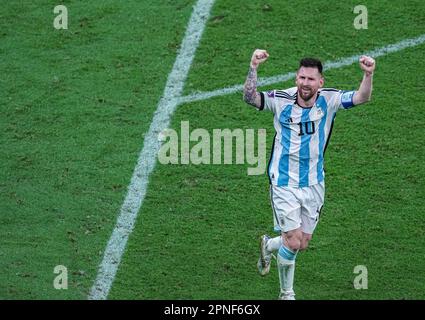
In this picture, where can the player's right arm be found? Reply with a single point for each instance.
(250, 94)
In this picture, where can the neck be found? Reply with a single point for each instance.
(306, 104)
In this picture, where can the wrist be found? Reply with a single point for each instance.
(253, 66)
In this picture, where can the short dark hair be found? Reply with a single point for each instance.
(311, 63)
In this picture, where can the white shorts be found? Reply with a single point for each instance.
(297, 207)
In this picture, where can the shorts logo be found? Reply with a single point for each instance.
(281, 220)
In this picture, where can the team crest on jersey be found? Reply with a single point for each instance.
(270, 94)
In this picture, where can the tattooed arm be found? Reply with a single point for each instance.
(250, 94)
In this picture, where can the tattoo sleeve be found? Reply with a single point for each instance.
(250, 88)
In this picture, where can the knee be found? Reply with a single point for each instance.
(305, 241)
(294, 243)
(304, 244)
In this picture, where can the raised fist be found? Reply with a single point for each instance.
(259, 56)
(367, 64)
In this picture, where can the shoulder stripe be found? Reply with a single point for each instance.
(285, 96)
(284, 92)
(330, 89)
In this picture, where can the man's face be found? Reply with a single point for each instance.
(308, 81)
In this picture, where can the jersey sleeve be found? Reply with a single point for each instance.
(268, 101)
(346, 99)
(341, 99)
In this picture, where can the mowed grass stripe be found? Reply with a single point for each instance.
(147, 157)
(289, 31)
(75, 106)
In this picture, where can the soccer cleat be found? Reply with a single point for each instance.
(265, 259)
(287, 295)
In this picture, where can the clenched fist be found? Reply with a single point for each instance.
(259, 56)
(367, 64)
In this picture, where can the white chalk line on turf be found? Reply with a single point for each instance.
(147, 158)
(327, 66)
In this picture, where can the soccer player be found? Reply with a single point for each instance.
(303, 120)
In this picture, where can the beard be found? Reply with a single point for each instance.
(306, 93)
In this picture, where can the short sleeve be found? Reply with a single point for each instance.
(268, 100)
(347, 99)
(340, 99)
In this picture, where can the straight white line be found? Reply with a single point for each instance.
(147, 157)
(327, 66)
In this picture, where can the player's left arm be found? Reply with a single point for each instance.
(364, 93)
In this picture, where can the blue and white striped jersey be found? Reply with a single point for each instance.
(301, 134)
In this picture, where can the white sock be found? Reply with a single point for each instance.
(274, 244)
(286, 268)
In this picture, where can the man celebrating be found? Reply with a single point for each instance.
(303, 120)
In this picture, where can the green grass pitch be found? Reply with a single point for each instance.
(75, 105)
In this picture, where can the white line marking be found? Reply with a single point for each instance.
(147, 157)
(327, 66)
